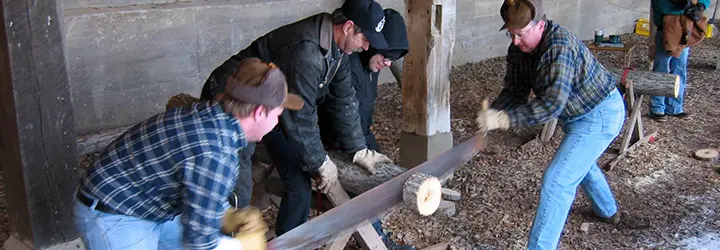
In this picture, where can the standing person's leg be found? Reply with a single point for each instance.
(585, 140)
(108, 231)
(678, 66)
(244, 181)
(366, 96)
(660, 64)
(295, 205)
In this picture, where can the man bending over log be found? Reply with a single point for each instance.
(573, 87)
(164, 183)
(310, 52)
(365, 69)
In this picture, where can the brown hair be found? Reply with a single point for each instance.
(251, 72)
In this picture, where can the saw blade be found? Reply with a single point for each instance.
(344, 219)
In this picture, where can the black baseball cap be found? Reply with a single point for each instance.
(369, 16)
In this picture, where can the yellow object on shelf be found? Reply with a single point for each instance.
(710, 29)
(642, 27)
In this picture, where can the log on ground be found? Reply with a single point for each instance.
(650, 83)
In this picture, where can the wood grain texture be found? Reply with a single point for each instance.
(345, 218)
(38, 138)
(646, 82)
(426, 69)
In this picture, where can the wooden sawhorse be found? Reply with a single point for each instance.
(633, 136)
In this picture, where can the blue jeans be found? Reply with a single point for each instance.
(100, 230)
(667, 64)
(575, 163)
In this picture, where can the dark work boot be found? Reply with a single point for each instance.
(621, 219)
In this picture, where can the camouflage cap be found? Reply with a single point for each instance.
(518, 13)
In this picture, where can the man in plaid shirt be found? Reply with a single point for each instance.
(164, 183)
(571, 86)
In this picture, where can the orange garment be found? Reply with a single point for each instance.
(676, 26)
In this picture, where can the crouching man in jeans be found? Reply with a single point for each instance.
(164, 183)
(573, 87)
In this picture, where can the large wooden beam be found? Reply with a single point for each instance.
(39, 162)
(426, 82)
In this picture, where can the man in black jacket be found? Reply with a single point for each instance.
(310, 53)
(365, 69)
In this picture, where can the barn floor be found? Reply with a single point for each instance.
(660, 182)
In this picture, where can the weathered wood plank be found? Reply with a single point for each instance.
(426, 69)
(426, 80)
(38, 139)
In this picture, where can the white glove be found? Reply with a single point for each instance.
(367, 159)
(491, 119)
(328, 175)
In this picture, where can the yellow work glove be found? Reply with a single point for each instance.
(328, 175)
(246, 225)
(491, 119)
(367, 159)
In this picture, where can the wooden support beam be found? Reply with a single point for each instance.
(38, 155)
(426, 82)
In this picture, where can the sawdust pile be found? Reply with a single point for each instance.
(661, 182)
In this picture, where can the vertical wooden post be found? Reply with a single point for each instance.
(426, 85)
(38, 143)
(653, 31)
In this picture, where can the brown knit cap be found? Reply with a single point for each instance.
(261, 83)
(518, 13)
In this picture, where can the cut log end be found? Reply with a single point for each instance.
(423, 193)
(707, 154)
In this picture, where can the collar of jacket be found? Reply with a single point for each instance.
(542, 46)
(326, 35)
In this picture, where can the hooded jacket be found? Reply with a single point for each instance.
(317, 71)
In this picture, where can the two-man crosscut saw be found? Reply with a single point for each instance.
(344, 219)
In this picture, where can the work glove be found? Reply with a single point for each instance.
(694, 12)
(367, 159)
(491, 119)
(328, 175)
(246, 225)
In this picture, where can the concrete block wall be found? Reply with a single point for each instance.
(126, 58)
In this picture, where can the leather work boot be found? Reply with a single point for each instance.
(621, 219)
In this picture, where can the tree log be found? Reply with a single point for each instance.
(353, 178)
(650, 83)
(422, 193)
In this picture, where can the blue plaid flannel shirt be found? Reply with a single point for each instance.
(183, 161)
(562, 72)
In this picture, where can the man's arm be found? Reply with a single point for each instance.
(343, 108)
(555, 76)
(208, 180)
(516, 90)
(301, 126)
